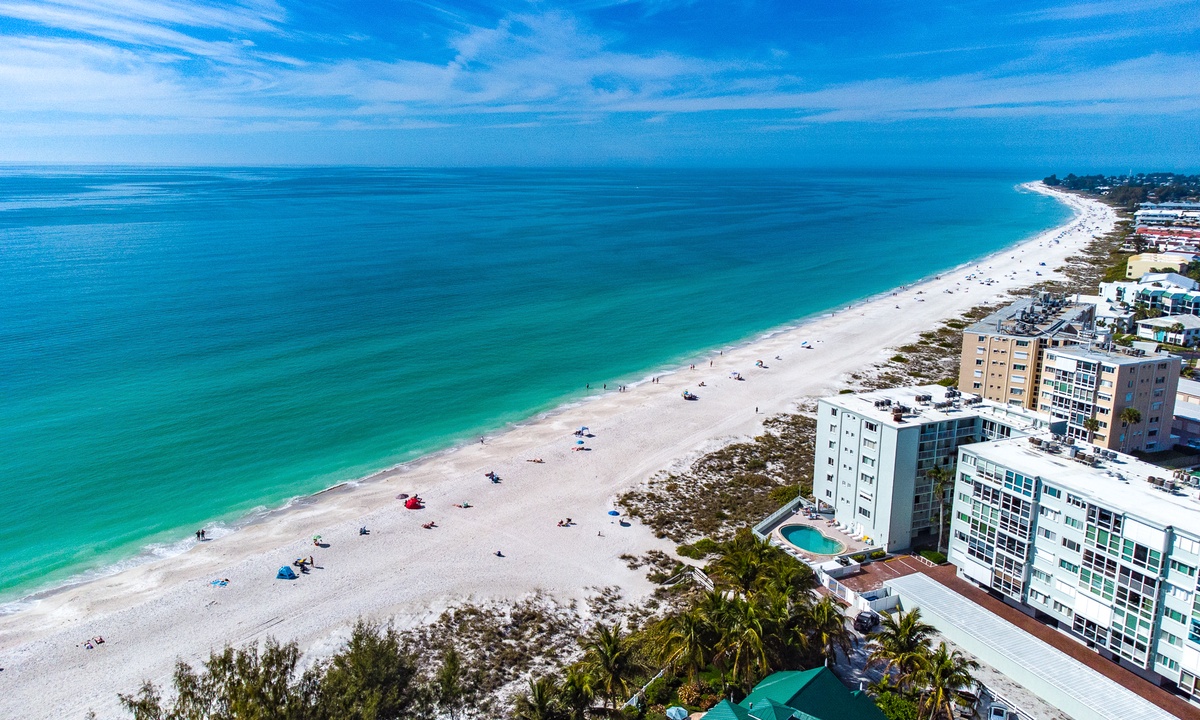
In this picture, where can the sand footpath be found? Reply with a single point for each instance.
(155, 613)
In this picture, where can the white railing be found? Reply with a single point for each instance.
(762, 528)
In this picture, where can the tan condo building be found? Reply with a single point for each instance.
(1079, 384)
(1001, 354)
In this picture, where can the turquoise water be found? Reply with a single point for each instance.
(185, 346)
(811, 540)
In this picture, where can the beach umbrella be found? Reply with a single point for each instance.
(578, 442)
(613, 512)
(677, 713)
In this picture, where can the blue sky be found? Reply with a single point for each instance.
(1103, 85)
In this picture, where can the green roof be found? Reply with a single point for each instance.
(770, 710)
(816, 694)
(726, 710)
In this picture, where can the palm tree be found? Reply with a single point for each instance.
(1091, 425)
(686, 641)
(1130, 416)
(943, 675)
(827, 629)
(899, 645)
(575, 693)
(742, 648)
(943, 480)
(611, 658)
(538, 702)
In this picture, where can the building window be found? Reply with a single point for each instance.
(1062, 609)
(1166, 661)
(1172, 639)
(1051, 491)
(869, 444)
(868, 479)
(1039, 597)
(1047, 533)
(1072, 522)
(1076, 501)
(1175, 615)
(864, 512)
(870, 426)
(1068, 566)
(829, 460)
(1185, 569)
(1070, 544)
(1187, 545)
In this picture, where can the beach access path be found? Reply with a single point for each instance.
(158, 612)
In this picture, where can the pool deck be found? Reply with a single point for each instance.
(853, 545)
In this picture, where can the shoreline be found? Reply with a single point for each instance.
(231, 523)
(163, 592)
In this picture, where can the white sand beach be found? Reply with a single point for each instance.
(154, 613)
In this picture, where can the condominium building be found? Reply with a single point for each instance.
(874, 451)
(1079, 384)
(1001, 354)
(1138, 265)
(1097, 543)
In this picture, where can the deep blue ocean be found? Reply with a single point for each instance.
(186, 346)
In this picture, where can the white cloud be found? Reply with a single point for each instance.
(138, 69)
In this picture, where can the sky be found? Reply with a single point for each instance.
(1078, 86)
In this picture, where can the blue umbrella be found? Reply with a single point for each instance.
(578, 442)
(613, 512)
(677, 713)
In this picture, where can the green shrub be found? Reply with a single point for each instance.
(708, 546)
(899, 359)
(845, 391)
(661, 691)
(933, 556)
(689, 551)
(785, 494)
(878, 555)
(896, 707)
(860, 557)
(947, 382)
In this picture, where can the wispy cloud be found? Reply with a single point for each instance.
(185, 66)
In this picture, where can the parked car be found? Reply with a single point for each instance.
(866, 621)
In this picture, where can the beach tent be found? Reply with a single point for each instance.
(413, 503)
(285, 573)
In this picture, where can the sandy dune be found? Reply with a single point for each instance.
(154, 613)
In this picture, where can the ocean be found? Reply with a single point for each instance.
(189, 347)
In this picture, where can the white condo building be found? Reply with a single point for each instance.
(1098, 543)
(874, 450)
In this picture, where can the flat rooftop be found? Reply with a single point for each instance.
(1035, 317)
(1120, 484)
(1118, 355)
(943, 404)
(1058, 678)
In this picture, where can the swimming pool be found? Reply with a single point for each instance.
(811, 540)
